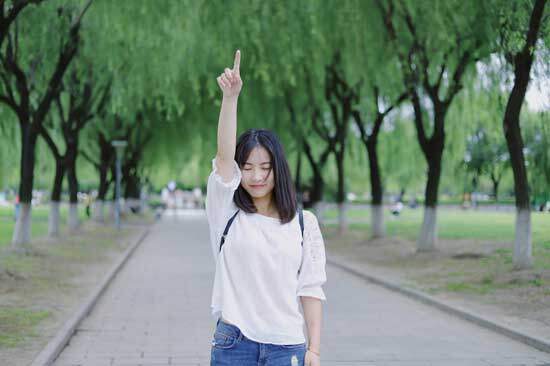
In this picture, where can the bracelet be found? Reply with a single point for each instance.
(310, 350)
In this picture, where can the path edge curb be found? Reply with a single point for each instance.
(535, 342)
(54, 347)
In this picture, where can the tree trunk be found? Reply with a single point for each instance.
(523, 256)
(317, 182)
(316, 198)
(343, 217)
(317, 189)
(522, 68)
(377, 221)
(522, 252)
(318, 209)
(495, 189)
(377, 211)
(73, 221)
(297, 182)
(111, 209)
(341, 195)
(517, 159)
(428, 234)
(97, 211)
(103, 183)
(22, 231)
(132, 186)
(53, 219)
(55, 199)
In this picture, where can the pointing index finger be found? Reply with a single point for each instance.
(237, 63)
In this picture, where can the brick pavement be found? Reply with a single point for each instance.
(157, 312)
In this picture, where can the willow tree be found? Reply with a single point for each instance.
(31, 77)
(518, 45)
(381, 94)
(149, 48)
(81, 101)
(101, 154)
(436, 45)
(285, 69)
(9, 11)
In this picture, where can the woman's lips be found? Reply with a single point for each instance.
(258, 186)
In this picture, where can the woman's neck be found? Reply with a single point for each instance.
(265, 206)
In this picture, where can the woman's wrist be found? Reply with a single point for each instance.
(231, 98)
(313, 350)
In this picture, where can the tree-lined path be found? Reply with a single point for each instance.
(157, 312)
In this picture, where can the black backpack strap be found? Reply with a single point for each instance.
(227, 229)
(301, 217)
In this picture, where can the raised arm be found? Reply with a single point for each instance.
(230, 83)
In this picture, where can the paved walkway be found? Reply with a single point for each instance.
(157, 312)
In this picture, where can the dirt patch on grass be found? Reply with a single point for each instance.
(477, 275)
(43, 288)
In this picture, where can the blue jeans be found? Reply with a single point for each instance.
(231, 348)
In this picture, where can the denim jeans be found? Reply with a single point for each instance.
(231, 348)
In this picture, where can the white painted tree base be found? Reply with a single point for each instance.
(130, 203)
(343, 218)
(22, 230)
(53, 219)
(523, 257)
(97, 211)
(377, 221)
(318, 210)
(111, 210)
(428, 234)
(73, 222)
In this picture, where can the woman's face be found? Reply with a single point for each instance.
(257, 175)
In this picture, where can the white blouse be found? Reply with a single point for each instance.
(257, 284)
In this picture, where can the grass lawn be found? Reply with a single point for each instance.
(472, 263)
(17, 324)
(468, 224)
(39, 226)
(456, 224)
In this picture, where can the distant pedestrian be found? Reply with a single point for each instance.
(88, 202)
(17, 207)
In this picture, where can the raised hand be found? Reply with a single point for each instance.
(230, 80)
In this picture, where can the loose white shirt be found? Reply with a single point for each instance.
(262, 269)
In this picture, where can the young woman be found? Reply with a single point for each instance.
(264, 266)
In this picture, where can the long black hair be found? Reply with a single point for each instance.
(284, 193)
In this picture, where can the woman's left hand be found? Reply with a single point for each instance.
(312, 359)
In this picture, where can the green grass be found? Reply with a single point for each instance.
(17, 324)
(457, 224)
(39, 225)
(487, 285)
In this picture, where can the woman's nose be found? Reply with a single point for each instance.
(258, 176)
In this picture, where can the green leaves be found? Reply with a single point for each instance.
(165, 55)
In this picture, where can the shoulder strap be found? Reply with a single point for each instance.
(301, 217)
(227, 229)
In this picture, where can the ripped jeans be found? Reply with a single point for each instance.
(231, 348)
